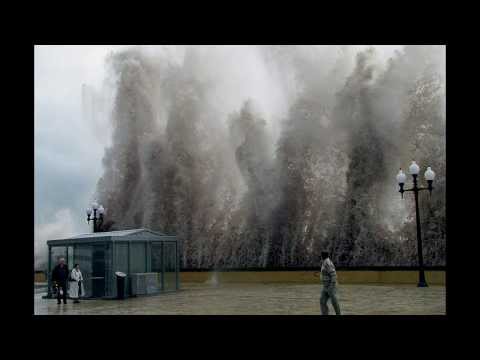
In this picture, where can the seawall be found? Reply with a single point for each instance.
(433, 277)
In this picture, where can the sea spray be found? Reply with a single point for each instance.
(248, 178)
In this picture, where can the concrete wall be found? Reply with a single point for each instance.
(40, 277)
(436, 277)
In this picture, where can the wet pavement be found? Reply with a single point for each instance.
(261, 299)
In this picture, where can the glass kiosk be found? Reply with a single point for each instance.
(150, 259)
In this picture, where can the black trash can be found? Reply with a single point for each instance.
(120, 284)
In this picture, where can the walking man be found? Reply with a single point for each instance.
(329, 280)
(60, 277)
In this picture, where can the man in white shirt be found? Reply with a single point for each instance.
(329, 280)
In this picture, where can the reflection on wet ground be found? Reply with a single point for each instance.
(261, 299)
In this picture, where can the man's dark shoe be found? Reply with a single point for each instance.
(58, 302)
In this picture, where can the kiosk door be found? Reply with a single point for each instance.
(98, 271)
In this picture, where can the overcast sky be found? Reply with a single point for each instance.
(67, 152)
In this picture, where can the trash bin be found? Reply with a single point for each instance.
(120, 284)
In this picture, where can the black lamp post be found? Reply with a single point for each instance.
(414, 169)
(97, 220)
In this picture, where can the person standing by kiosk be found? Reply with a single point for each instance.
(59, 277)
(76, 284)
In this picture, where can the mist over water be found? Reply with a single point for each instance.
(263, 156)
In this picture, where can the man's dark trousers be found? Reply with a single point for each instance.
(62, 286)
(60, 277)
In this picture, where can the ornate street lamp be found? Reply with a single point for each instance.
(414, 169)
(97, 220)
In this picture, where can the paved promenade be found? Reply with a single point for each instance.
(262, 299)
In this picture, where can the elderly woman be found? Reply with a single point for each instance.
(76, 284)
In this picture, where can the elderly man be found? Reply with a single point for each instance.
(60, 277)
(329, 280)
